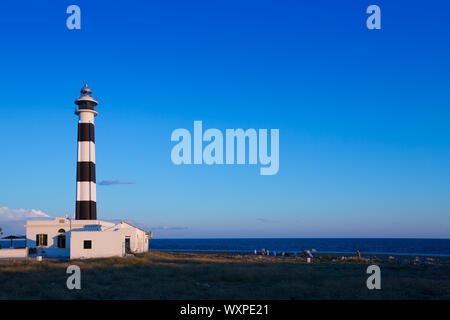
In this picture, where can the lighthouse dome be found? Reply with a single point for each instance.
(85, 90)
(85, 101)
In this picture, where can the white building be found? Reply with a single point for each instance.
(80, 239)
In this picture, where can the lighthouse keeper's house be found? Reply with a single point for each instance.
(79, 239)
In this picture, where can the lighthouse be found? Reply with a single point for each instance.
(86, 205)
(85, 237)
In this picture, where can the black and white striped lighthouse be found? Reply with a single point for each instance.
(86, 206)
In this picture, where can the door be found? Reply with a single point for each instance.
(127, 245)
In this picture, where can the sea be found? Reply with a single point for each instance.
(420, 247)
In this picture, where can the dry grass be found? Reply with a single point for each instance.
(158, 275)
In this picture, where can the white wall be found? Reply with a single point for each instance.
(108, 243)
(138, 237)
(13, 253)
(51, 228)
(104, 244)
(51, 250)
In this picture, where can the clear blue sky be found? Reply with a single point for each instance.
(363, 115)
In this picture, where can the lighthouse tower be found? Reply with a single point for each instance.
(86, 206)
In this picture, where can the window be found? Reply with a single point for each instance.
(61, 241)
(41, 240)
(87, 244)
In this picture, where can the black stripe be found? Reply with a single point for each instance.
(86, 132)
(86, 171)
(86, 210)
(86, 105)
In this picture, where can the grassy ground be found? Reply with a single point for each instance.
(158, 275)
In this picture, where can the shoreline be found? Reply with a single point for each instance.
(371, 253)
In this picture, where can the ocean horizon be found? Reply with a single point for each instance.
(391, 246)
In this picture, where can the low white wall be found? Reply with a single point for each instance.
(13, 253)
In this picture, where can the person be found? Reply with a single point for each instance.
(309, 256)
(359, 254)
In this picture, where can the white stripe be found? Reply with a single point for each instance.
(86, 117)
(86, 191)
(86, 151)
